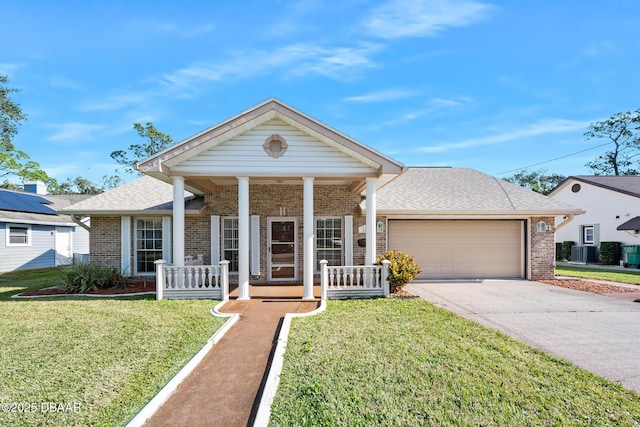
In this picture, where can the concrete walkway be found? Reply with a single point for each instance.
(225, 388)
(595, 332)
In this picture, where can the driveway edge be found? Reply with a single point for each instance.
(165, 392)
(273, 379)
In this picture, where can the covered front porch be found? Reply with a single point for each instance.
(281, 192)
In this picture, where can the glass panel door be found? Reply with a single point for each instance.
(282, 250)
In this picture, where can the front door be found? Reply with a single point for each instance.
(282, 249)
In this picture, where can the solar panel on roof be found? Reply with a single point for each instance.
(23, 202)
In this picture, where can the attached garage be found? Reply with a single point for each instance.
(462, 249)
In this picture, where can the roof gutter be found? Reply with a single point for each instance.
(78, 221)
(565, 222)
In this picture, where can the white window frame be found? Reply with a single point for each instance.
(224, 238)
(23, 226)
(342, 239)
(135, 244)
(585, 229)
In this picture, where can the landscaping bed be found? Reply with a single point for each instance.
(136, 286)
(589, 286)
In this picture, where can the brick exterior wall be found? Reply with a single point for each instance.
(542, 250)
(104, 241)
(287, 201)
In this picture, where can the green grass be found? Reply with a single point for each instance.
(630, 276)
(107, 356)
(406, 362)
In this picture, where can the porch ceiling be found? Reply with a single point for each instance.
(203, 185)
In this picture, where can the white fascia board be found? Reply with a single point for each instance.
(36, 222)
(163, 212)
(474, 215)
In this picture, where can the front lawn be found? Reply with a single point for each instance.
(89, 361)
(406, 362)
(631, 276)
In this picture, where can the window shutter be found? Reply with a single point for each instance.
(166, 239)
(348, 239)
(254, 257)
(215, 239)
(125, 246)
(596, 234)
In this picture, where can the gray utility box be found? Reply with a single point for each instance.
(584, 254)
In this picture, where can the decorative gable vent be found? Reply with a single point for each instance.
(275, 146)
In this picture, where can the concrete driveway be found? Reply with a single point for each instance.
(598, 333)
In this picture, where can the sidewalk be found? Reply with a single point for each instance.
(225, 388)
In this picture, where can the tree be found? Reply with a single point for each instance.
(156, 141)
(623, 130)
(80, 185)
(11, 115)
(14, 162)
(536, 181)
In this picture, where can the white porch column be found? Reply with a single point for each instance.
(309, 236)
(370, 227)
(178, 221)
(243, 238)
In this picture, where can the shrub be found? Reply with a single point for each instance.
(559, 251)
(402, 270)
(610, 253)
(87, 277)
(566, 249)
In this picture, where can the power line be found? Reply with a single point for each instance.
(557, 158)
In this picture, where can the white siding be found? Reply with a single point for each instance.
(39, 254)
(80, 241)
(244, 155)
(605, 207)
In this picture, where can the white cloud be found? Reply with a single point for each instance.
(117, 102)
(420, 18)
(147, 26)
(599, 49)
(384, 95)
(340, 63)
(74, 132)
(543, 127)
(8, 69)
(65, 83)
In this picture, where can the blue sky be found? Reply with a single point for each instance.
(491, 85)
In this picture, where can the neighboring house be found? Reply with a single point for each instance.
(612, 205)
(274, 191)
(34, 235)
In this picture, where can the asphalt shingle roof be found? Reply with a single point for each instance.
(460, 190)
(628, 184)
(143, 194)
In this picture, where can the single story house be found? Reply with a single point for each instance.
(34, 234)
(612, 205)
(274, 191)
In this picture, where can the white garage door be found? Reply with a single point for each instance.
(461, 249)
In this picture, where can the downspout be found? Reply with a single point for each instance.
(565, 222)
(80, 223)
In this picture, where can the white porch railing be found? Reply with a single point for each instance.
(192, 281)
(354, 281)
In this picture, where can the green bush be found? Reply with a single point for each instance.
(566, 250)
(610, 253)
(402, 270)
(559, 251)
(87, 277)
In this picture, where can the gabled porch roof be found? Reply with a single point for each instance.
(234, 148)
